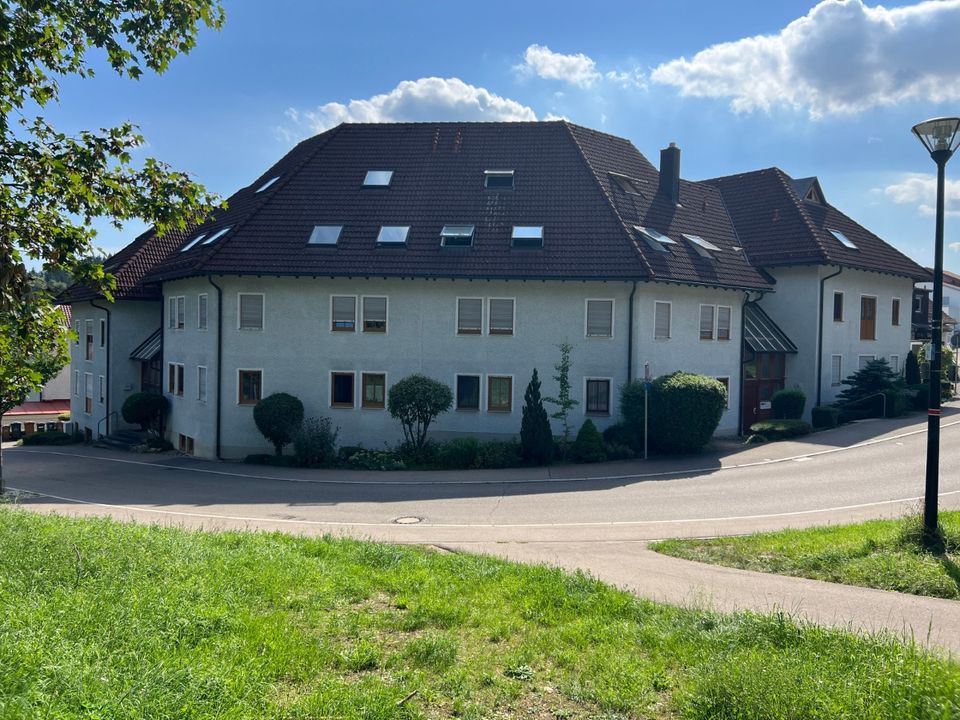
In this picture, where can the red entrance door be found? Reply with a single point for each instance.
(763, 375)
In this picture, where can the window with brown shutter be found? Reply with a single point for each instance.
(88, 339)
(868, 318)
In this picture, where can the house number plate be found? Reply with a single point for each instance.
(765, 405)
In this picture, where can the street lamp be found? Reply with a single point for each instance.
(940, 137)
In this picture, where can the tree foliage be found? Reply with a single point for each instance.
(563, 401)
(911, 369)
(144, 409)
(588, 447)
(278, 417)
(416, 401)
(875, 377)
(536, 437)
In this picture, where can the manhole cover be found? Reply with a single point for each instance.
(407, 520)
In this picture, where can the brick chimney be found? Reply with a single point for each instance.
(670, 173)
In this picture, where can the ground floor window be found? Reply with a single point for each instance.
(468, 392)
(88, 393)
(865, 359)
(341, 389)
(374, 390)
(598, 397)
(499, 393)
(250, 386)
(175, 378)
(836, 370)
(185, 444)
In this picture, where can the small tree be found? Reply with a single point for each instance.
(873, 378)
(278, 417)
(563, 401)
(911, 369)
(416, 401)
(144, 409)
(536, 437)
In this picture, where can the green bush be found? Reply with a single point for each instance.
(348, 451)
(788, 404)
(495, 454)
(48, 437)
(685, 410)
(623, 434)
(536, 437)
(144, 409)
(781, 429)
(376, 460)
(588, 447)
(631, 407)
(919, 396)
(898, 401)
(315, 442)
(416, 401)
(459, 453)
(278, 417)
(825, 416)
(911, 369)
(618, 451)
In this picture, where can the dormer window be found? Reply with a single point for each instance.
(703, 247)
(456, 236)
(656, 240)
(217, 235)
(498, 179)
(843, 239)
(393, 235)
(193, 242)
(629, 185)
(267, 184)
(325, 235)
(527, 236)
(378, 178)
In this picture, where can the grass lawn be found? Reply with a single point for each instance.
(107, 620)
(880, 554)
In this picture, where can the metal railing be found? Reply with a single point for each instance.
(870, 397)
(112, 413)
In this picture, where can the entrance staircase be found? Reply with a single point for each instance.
(122, 439)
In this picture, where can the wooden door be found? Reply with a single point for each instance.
(868, 318)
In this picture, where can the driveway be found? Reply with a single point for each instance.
(596, 518)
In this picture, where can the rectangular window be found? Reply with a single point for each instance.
(102, 390)
(723, 322)
(393, 235)
(325, 235)
(527, 236)
(88, 340)
(599, 321)
(864, 360)
(103, 333)
(202, 311)
(918, 303)
(706, 322)
(661, 321)
(499, 394)
(88, 393)
(181, 312)
(868, 318)
(468, 392)
(250, 313)
(895, 312)
(836, 370)
(374, 314)
(374, 390)
(249, 386)
(175, 378)
(500, 316)
(469, 316)
(179, 378)
(895, 364)
(498, 179)
(838, 307)
(456, 236)
(201, 383)
(725, 381)
(378, 178)
(343, 313)
(598, 397)
(341, 389)
(172, 313)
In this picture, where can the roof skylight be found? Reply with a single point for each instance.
(325, 235)
(456, 236)
(498, 179)
(193, 242)
(393, 234)
(703, 247)
(267, 184)
(217, 235)
(627, 184)
(527, 236)
(656, 240)
(844, 240)
(378, 178)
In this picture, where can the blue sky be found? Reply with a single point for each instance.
(827, 89)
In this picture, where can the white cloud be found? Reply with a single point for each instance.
(842, 57)
(954, 246)
(577, 69)
(426, 99)
(920, 189)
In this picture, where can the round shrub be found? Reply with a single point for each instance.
(685, 410)
(825, 416)
(144, 409)
(278, 417)
(416, 401)
(589, 446)
(788, 404)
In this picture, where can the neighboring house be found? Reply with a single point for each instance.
(841, 294)
(117, 351)
(920, 315)
(951, 304)
(467, 252)
(41, 410)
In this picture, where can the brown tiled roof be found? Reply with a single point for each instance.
(562, 183)
(949, 278)
(779, 228)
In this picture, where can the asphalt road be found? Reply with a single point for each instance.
(558, 516)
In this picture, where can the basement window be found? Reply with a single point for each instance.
(193, 242)
(267, 184)
(325, 234)
(656, 240)
(844, 240)
(378, 178)
(527, 236)
(456, 236)
(627, 184)
(393, 235)
(703, 247)
(217, 235)
(498, 179)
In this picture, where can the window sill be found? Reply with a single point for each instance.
(500, 411)
(468, 333)
(468, 410)
(342, 406)
(372, 407)
(343, 330)
(501, 333)
(591, 413)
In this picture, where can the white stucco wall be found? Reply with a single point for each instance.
(297, 350)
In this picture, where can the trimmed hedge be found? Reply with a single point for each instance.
(278, 417)
(825, 416)
(788, 404)
(48, 437)
(685, 410)
(781, 429)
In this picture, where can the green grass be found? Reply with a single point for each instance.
(884, 554)
(107, 620)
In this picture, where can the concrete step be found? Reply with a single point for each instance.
(122, 439)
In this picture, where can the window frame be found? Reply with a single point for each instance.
(88, 393)
(527, 241)
(876, 307)
(315, 233)
(363, 319)
(239, 397)
(363, 389)
(729, 309)
(500, 376)
(176, 377)
(500, 173)
(669, 304)
(103, 333)
(202, 397)
(713, 323)
(613, 317)
(839, 377)
(837, 293)
(101, 390)
(860, 363)
(890, 360)
(76, 383)
(456, 319)
(895, 307)
(489, 315)
(369, 185)
(586, 396)
(88, 342)
(181, 312)
(456, 392)
(353, 392)
(263, 312)
(203, 300)
(332, 328)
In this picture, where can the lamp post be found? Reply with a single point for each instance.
(940, 137)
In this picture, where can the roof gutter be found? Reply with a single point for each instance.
(107, 370)
(823, 282)
(219, 353)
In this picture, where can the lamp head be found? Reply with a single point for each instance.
(939, 135)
